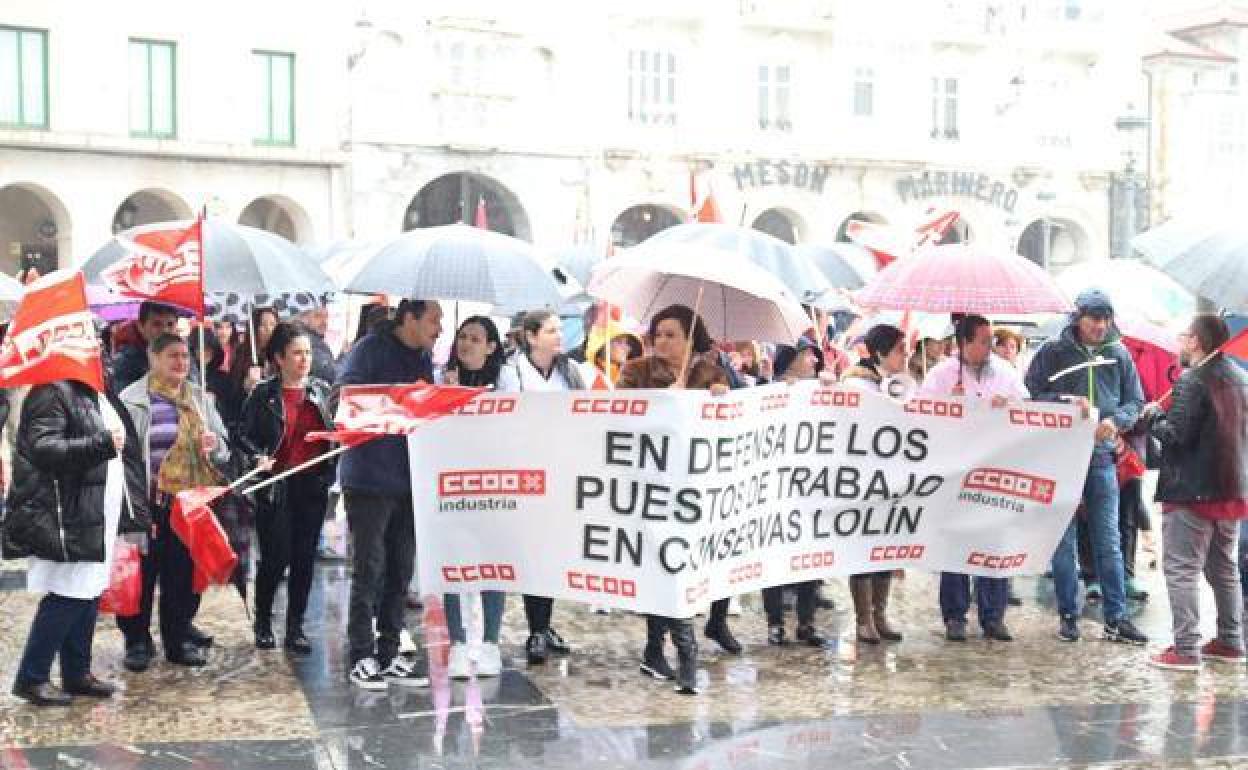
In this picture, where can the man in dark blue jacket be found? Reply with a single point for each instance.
(1087, 364)
(130, 364)
(377, 492)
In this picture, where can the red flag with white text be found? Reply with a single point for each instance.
(162, 263)
(366, 412)
(52, 336)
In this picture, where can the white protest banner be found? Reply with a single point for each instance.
(660, 501)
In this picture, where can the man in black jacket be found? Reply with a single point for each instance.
(1203, 489)
(130, 363)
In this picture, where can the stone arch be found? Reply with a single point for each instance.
(34, 229)
(149, 205)
(782, 223)
(455, 197)
(280, 215)
(637, 223)
(1054, 242)
(860, 216)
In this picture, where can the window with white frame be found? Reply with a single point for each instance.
(945, 108)
(774, 92)
(864, 92)
(153, 89)
(23, 77)
(652, 87)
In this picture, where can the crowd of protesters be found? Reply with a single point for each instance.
(89, 467)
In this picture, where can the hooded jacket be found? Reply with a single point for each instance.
(1114, 388)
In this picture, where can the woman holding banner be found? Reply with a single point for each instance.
(183, 441)
(476, 361)
(883, 366)
(682, 356)
(289, 514)
(540, 365)
(803, 362)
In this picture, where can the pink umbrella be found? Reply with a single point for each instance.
(964, 278)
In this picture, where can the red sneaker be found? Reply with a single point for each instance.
(1224, 653)
(1171, 659)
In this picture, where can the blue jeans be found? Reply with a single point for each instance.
(1100, 503)
(991, 595)
(491, 608)
(65, 627)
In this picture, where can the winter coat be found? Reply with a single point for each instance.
(129, 364)
(55, 508)
(1114, 389)
(653, 372)
(519, 375)
(1194, 460)
(380, 467)
(263, 421)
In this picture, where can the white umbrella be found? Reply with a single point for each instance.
(459, 262)
(1136, 288)
(794, 269)
(736, 299)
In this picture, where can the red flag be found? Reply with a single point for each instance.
(705, 209)
(481, 219)
(933, 231)
(52, 336)
(880, 240)
(161, 263)
(193, 521)
(366, 412)
(1237, 346)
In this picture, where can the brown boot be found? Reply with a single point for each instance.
(880, 583)
(860, 589)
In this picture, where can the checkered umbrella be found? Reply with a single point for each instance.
(964, 278)
(458, 262)
(736, 298)
(1209, 259)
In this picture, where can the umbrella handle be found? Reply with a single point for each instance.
(684, 364)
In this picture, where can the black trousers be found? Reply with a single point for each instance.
(383, 547)
(167, 563)
(807, 595)
(288, 528)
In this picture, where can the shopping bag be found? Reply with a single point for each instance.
(125, 582)
(193, 521)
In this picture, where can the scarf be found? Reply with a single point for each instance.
(185, 466)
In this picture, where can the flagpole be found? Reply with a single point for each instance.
(693, 325)
(292, 471)
(203, 314)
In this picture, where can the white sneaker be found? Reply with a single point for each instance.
(460, 664)
(407, 646)
(401, 671)
(491, 660)
(366, 675)
(734, 607)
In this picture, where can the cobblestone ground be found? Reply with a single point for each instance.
(921, 703)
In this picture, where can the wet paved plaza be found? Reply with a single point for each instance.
(922, 703)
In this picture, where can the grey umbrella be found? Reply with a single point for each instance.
(458, 262)
(241, 260)
(846, 265)
(1210, 260)
(799, 275)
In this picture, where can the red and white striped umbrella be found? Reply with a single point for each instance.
(964, 278)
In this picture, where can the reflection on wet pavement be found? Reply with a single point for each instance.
(923, 703)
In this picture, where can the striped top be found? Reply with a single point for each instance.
(162, 434)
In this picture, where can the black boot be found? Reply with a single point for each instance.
(264, 633)
(717, 628)
(687, 648)
(535, 649)
(296, 641)
(264, 613)
(653, 661)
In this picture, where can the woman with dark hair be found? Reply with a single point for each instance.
(476, 360)
(666, 367)
(885, 359)
(246, 371)
(793, 363)
(276, 417)
(540, 365)
(218, 384)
